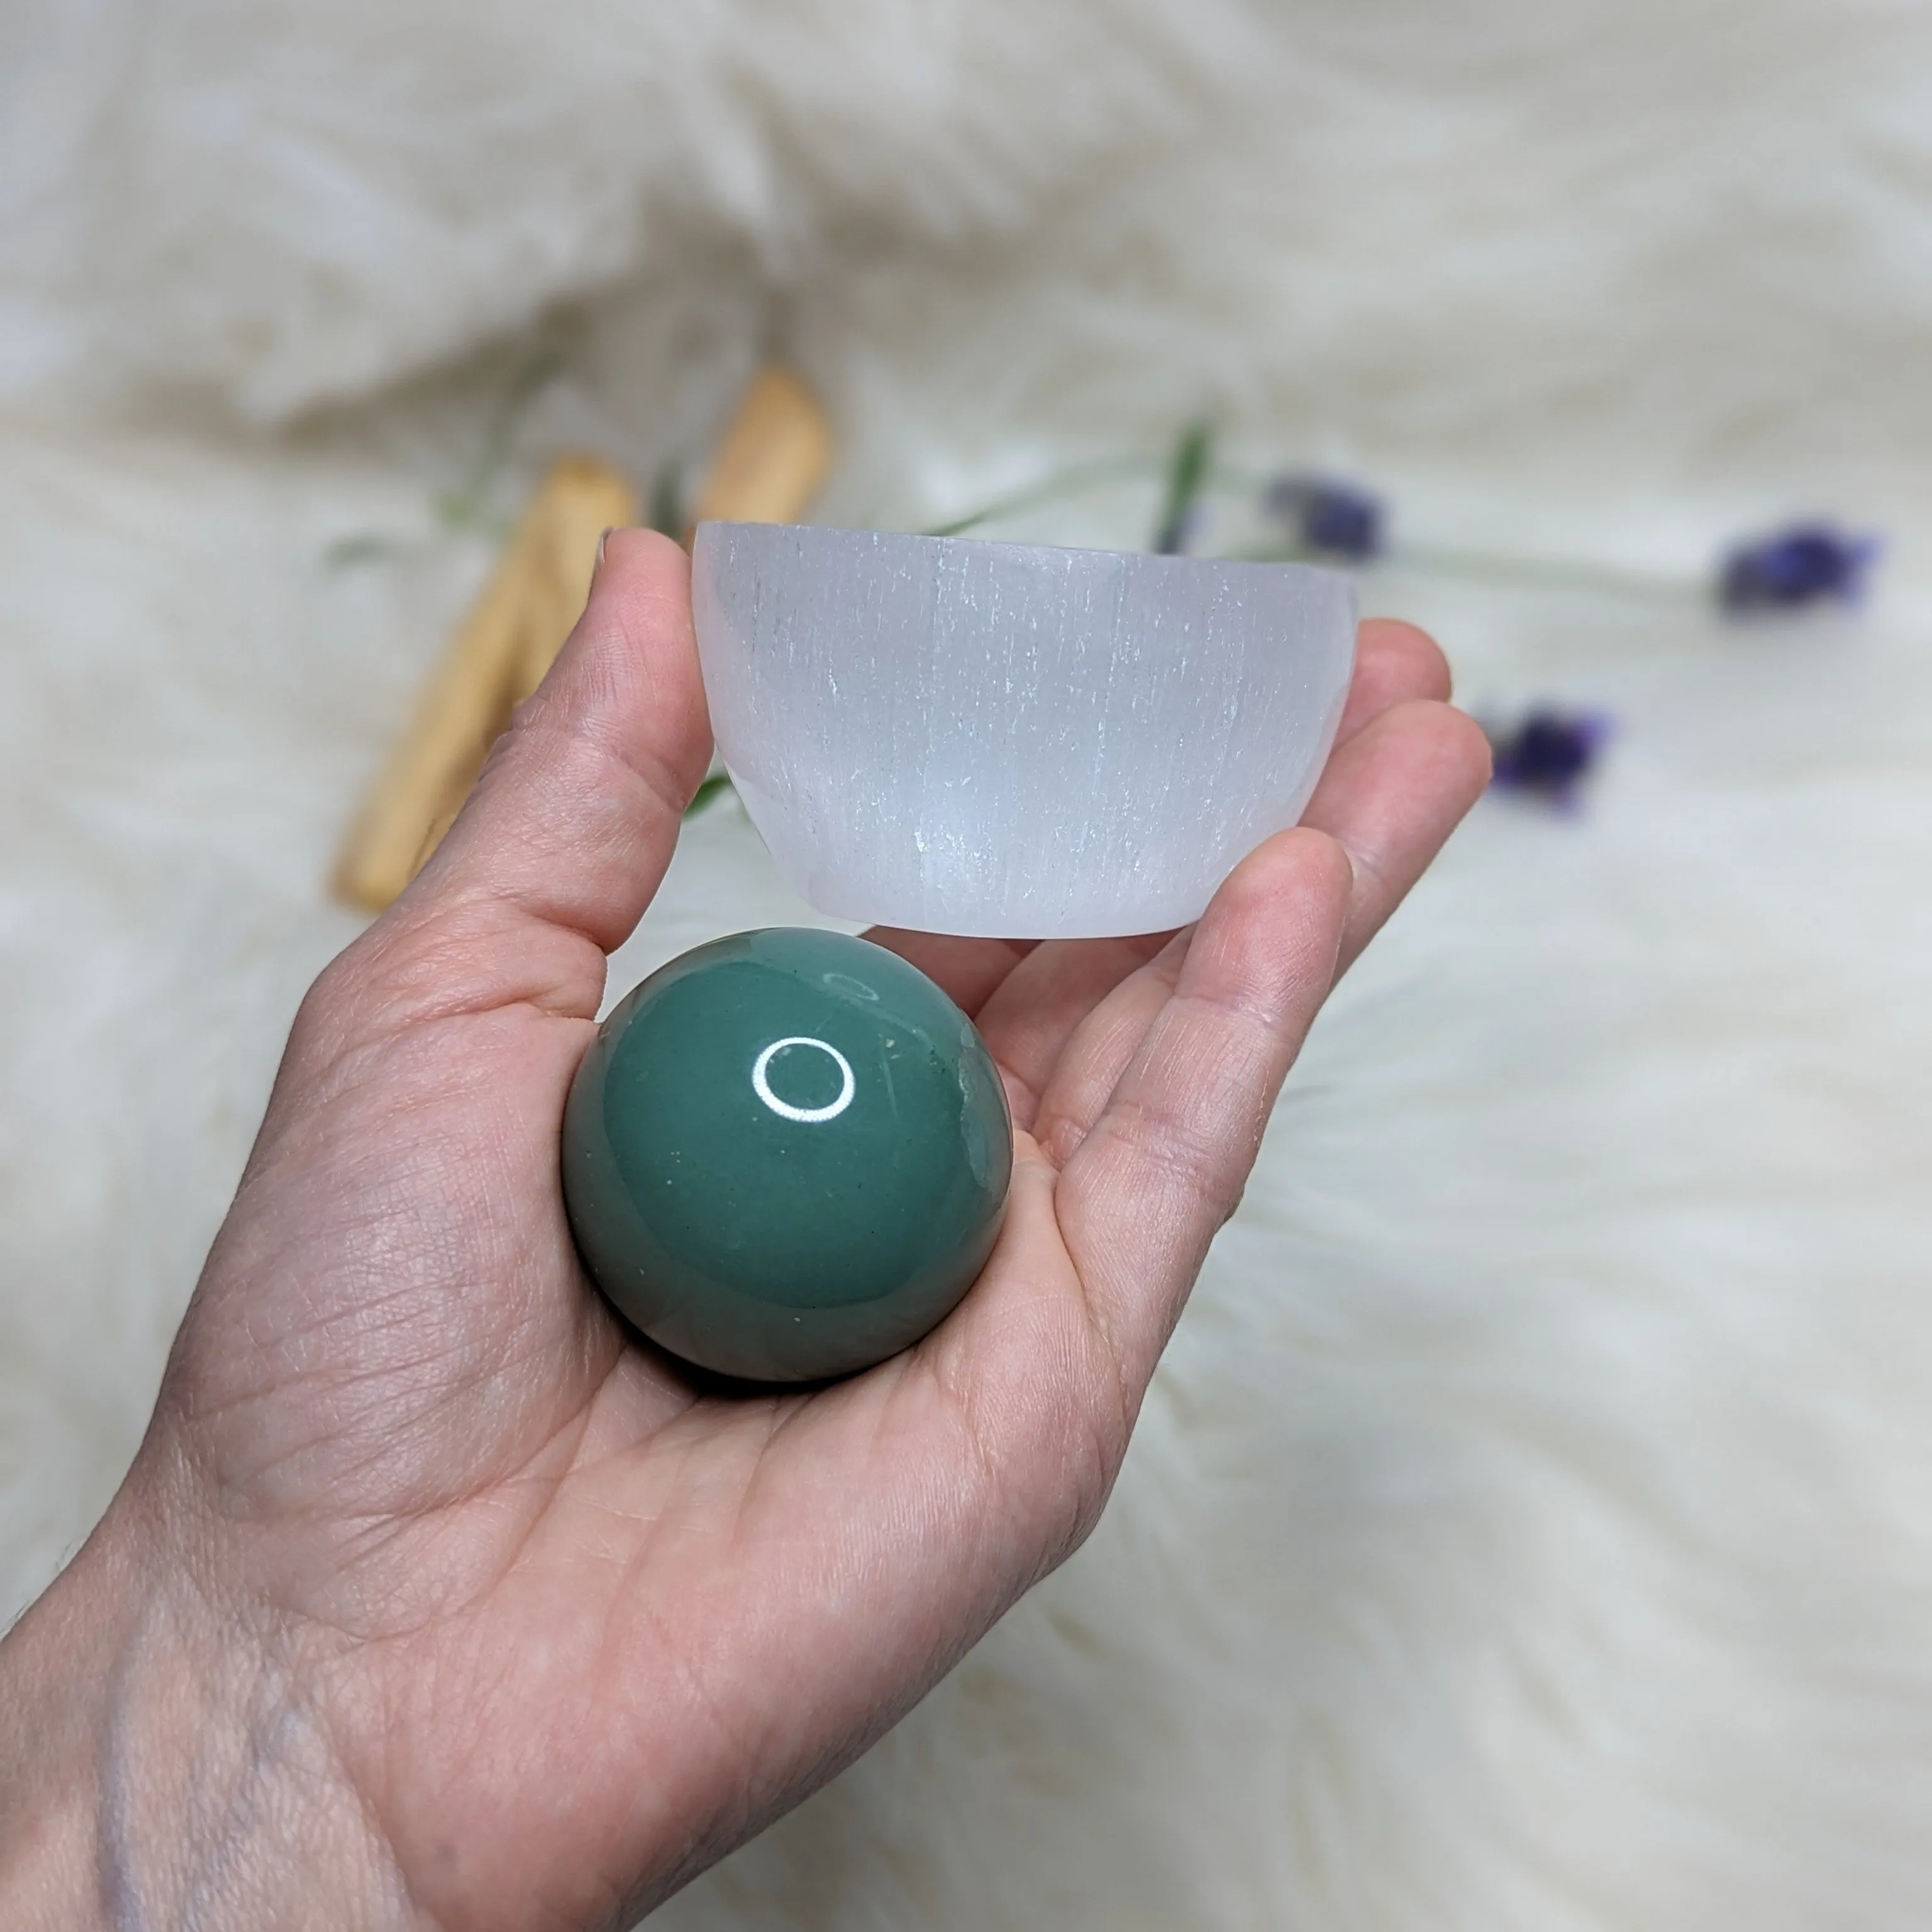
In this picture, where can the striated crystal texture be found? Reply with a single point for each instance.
(1009, 740)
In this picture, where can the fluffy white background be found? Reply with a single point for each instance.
(1532, 1525)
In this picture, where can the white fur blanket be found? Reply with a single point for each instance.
(1532, 1525)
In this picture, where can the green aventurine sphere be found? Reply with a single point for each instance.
(786, 1155)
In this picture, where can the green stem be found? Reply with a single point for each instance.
(1187, 473)
(465, 505)
(666, 510)
(1554, 574)
(717, 782)
(1060, 483)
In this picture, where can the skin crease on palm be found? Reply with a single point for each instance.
(431, 1598)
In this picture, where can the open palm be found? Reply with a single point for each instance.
(541, 1621)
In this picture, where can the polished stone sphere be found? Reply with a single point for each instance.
(786, 1155)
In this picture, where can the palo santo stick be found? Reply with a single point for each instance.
(773, 457)
(590, 500)
(495, 660)
(767, 469)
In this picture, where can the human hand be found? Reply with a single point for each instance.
(434, 1597)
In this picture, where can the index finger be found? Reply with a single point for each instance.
(1165, 1164)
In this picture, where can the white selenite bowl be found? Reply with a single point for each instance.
(1008, 740)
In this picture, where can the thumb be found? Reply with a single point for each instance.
(565, 839)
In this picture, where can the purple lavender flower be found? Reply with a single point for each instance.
(1549, 752)
(1802, 564)
(1335, 518)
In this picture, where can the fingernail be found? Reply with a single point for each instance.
(601, 542)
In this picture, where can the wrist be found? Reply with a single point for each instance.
(164, 1758)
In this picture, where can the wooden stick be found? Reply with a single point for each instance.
(597, 499)
(495, 659)
(773, 458)
(767, 469)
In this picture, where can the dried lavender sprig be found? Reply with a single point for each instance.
(1329, 517)
(1803, 563)
(1549, 752)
